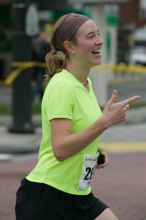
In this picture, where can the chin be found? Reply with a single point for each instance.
(97, 63)
(93, 63)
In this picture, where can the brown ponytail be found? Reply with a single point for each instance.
(55, 61)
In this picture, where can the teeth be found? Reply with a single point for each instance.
(96, 51)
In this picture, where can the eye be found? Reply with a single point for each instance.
(98, 33)
(91, 35)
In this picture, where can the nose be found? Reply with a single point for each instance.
(99, 41)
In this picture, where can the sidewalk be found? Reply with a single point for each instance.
(19, 143)
(124, 137)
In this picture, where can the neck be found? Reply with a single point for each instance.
(80, 73)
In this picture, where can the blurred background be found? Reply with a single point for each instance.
(25, 30)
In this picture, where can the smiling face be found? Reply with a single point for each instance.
(87, 48)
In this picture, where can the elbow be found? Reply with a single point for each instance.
(59, 155)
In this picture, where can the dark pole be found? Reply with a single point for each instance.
(21, 88)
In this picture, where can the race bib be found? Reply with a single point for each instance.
(89, 163)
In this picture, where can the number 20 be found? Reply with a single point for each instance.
(89, 171)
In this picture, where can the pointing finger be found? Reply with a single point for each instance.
(130, 100)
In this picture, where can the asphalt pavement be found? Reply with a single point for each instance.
(122, 185)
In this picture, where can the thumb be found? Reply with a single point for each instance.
(114, 96)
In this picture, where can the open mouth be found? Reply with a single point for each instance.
(96, 52)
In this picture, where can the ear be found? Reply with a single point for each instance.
(69, 46)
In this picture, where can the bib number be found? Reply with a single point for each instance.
(89, 163)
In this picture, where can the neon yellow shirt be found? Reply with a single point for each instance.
(66, 97)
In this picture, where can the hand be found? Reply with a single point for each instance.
(105, 155)
(115, 112)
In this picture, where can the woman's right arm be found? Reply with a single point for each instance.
(66, 144)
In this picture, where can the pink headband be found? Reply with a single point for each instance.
(68, 28)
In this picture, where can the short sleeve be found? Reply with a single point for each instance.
(59, 101)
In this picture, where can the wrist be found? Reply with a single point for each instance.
(104, 120)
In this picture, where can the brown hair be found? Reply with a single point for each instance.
(64, 29)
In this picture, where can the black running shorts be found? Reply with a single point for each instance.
(38, 201)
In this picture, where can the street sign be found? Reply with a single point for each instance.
(32, 21)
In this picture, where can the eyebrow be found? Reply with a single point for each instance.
(92, 32)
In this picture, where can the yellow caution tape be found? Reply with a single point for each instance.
(21, 66)
(12, 76)
(28, 64)
(124, 68)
